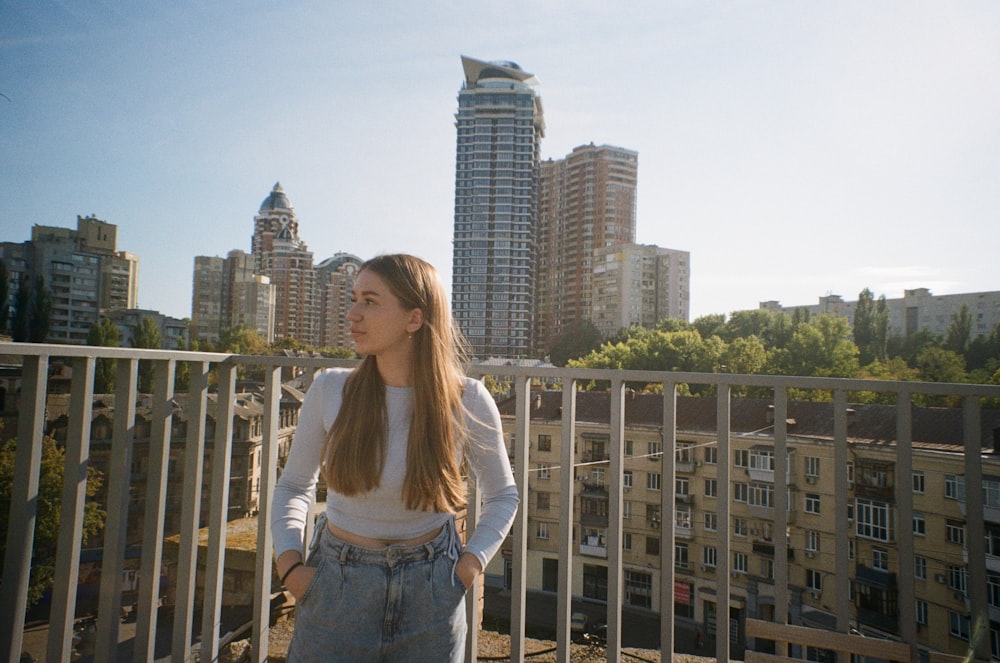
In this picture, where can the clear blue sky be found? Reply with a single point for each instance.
(796, 149)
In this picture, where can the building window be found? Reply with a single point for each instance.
(711, 488)
(814, 580)
(652, 545)
(919, 524)
(626, 541)
(545, 443)
(655, 450)
(812, 503)
(741, 458)
(762, 494)
(761, 459)
(812, 466)
(682, 454)
(880, 558)
(711, 521)
(993, 590)
(920, 567)
(955, 532)
(653, 481)
(957, 578)
(767, 568)
(544, 471)
(626, 509)
(627, 480)
(991, 493)
(739, 526)
(681, 560)
(921, 612)
(709, 556)
(740, 562)
(954, 487)
(542, 501)
(958, 625)
(711, 455)
(812, 541)
(681, 487)
(629, 448)
(638, 589)
(874, 520)
(542, 531)
(741, 492)
(918, 481)
(595, 582)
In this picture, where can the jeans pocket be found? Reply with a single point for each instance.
(311, 588)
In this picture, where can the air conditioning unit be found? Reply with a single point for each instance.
(814, 594)
(810, 554)
(959, 596)
(810, 479)
(734, 573)
(939, 578)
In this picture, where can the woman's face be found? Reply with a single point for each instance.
(380, 324)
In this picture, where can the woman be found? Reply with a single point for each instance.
(385, 576)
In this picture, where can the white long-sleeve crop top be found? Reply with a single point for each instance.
(381, 513)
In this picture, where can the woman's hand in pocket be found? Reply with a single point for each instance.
(298, 581)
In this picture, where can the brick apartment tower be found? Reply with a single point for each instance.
(586, 202)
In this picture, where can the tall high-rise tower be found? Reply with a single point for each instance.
(279, 254)
(500, 127)
(586, 203)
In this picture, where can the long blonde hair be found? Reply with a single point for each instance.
(355, 449)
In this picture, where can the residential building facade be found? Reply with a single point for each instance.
(335, 284)
(872, 524)
(499, 127)
(639, 285)
(586, 203)
(918, 309)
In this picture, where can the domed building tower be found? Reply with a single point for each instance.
(279, 254)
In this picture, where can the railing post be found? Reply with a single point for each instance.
(522, 395)
(23, 505)
(722, 418)
(615, 575)
(215, 560)
(116, 528)
(187, 557)
(667, 574)
(154, 513)
(74, 496)
(268, 477)
(979, 622)
(564, 597)
(472, 613)
(906, 611)
(841, 490)
(780, 512)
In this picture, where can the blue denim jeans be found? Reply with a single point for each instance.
(387, 605)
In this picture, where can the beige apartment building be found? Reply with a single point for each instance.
(939, 524)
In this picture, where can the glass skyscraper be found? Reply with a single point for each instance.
(500, 127)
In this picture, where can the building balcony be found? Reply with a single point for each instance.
(196, 607)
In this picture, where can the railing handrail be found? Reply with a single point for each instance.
(35, 361)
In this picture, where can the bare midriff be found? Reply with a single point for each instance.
(366, 542)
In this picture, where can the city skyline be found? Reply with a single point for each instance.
(793, 150)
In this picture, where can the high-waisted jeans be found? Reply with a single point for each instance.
(391, 604)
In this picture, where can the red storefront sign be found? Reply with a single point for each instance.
(682, 592)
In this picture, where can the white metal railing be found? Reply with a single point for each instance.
(35, 361)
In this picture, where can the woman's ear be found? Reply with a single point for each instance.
(416, 321)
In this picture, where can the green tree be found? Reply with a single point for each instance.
(710, 325)
(47, 515)
(41, 311)
(104, 334)
(940, 365)
(822, 349)
(865, 323)
(911, 345)
(577, 341)
(146, 335)
(746, 356)
(957, 336)
(32, 311)
(20, 322)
